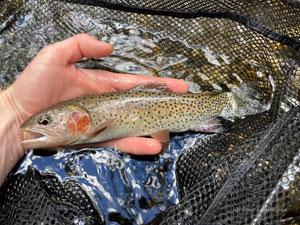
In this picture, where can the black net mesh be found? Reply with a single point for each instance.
(247, 175)
(240, 183)
(33, 198)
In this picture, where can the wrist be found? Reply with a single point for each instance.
(10, 104)
(11, 149)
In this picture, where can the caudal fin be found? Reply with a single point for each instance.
(243, 101)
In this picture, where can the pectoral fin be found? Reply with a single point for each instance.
(212, 126)
(97, 130)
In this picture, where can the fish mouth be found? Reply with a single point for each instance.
(39, 138)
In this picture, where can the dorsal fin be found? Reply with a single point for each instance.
(152, 87)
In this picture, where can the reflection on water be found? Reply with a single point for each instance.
(124, 187)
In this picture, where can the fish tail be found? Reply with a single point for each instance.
(242, 101)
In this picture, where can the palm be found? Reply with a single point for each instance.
(53, 77)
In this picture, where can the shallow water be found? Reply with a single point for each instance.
(136, 50)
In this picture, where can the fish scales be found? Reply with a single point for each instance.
(141, 111)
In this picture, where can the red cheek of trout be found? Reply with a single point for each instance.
(78, 123)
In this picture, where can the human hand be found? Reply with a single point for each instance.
(52, 77)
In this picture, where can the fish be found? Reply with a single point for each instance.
(149, 109)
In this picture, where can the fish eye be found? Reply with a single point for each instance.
(44, 120)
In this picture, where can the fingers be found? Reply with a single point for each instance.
(75, 48)
(133, 145)
(119, 81)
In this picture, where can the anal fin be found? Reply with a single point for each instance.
(211, 126)
(161, 135)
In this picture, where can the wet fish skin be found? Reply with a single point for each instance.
(149, 109)
(140, 113)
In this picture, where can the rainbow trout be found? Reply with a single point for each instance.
(149, 109)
